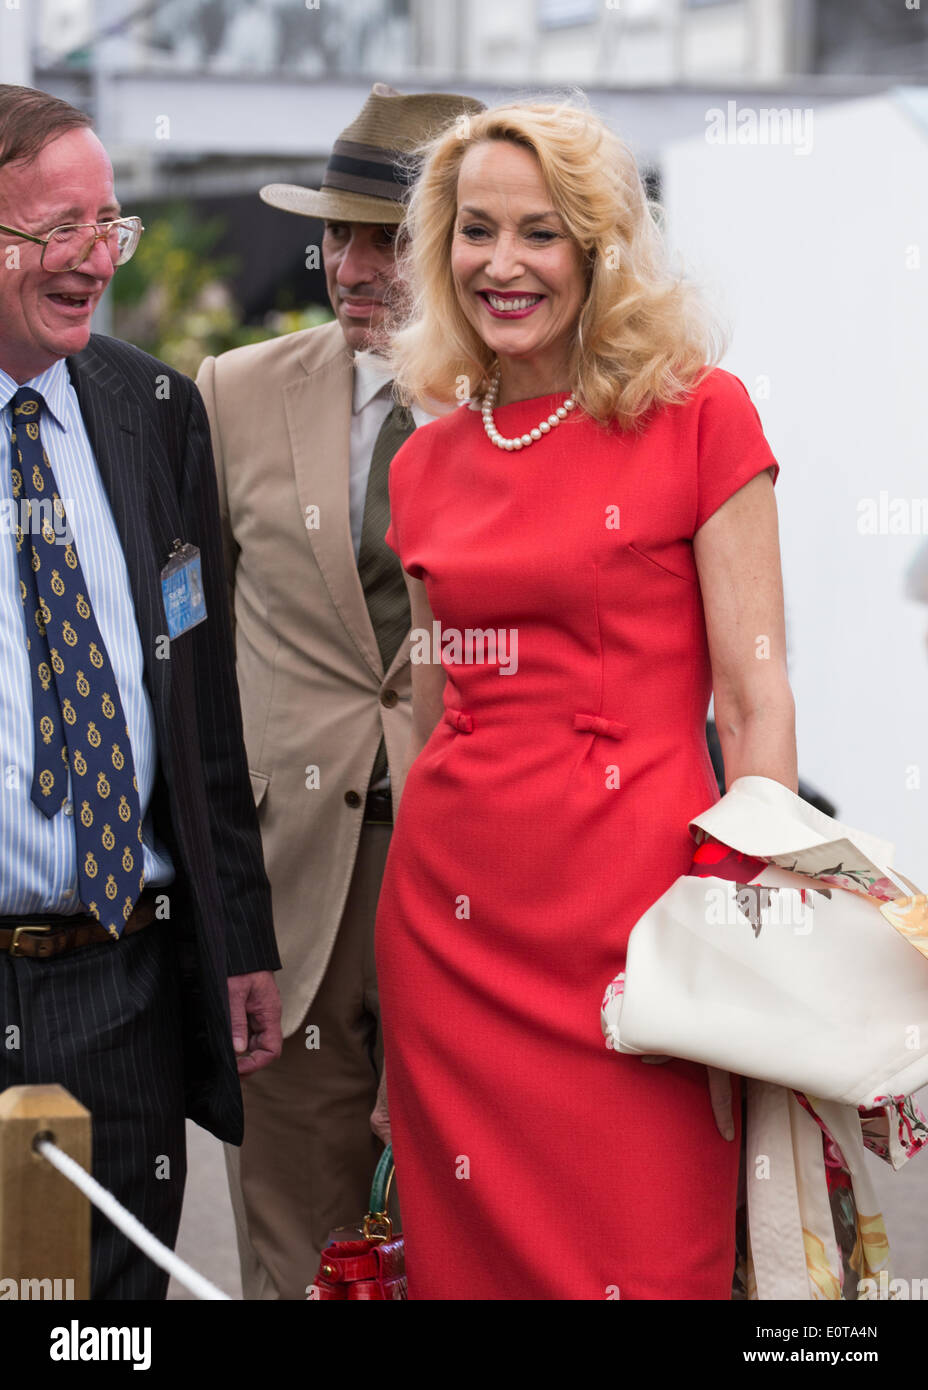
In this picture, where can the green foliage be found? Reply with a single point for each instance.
(173, 299)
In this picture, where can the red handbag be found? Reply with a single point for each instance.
(375, 1266)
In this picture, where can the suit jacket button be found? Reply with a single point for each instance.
(352, 798)
(389, 698)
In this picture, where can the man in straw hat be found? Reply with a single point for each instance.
(304, 428)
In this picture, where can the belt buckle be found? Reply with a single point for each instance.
(18, 931)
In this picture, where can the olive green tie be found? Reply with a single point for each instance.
(380, 570)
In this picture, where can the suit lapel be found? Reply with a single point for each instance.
(121, 443)
(318, 410)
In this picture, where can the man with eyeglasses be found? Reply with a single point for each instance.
(136, 943)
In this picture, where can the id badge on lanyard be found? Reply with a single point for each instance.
(182, 590)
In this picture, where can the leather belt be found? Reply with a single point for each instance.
(379, 806)
(41, 936)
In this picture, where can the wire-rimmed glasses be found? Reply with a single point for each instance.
(67, 247)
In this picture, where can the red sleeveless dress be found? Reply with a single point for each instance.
(548, 810)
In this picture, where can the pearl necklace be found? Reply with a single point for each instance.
(521, 441)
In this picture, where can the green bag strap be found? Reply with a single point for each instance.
(381, 1183)
(377, 1224)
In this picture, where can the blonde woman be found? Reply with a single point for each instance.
(591, 547)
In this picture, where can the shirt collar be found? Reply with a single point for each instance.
(52, 384)
(370, 378)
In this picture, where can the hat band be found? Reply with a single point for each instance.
(369, 169)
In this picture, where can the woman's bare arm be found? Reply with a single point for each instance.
(428, 678)
(737, 553)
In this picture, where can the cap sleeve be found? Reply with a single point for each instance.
(731, 447)
(399, 489)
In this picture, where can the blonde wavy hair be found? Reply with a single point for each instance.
(644, 335)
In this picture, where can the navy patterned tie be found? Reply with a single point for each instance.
(77, 713)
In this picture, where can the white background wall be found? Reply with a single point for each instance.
(808, 255)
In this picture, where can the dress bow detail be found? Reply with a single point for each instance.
(596, 724)
(462, 722)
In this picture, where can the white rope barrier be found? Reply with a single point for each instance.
(127, 1223)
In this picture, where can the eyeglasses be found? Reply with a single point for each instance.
(65, 248)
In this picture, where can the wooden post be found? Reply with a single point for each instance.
(44, 1219)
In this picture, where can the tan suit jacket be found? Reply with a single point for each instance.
(315, 697)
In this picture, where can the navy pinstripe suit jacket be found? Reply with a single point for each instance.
(149, 432)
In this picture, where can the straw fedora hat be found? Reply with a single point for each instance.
(369, 168)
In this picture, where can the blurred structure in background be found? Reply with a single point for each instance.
(814, 247)
(202, 102)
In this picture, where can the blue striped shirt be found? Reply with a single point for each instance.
(38, 857)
